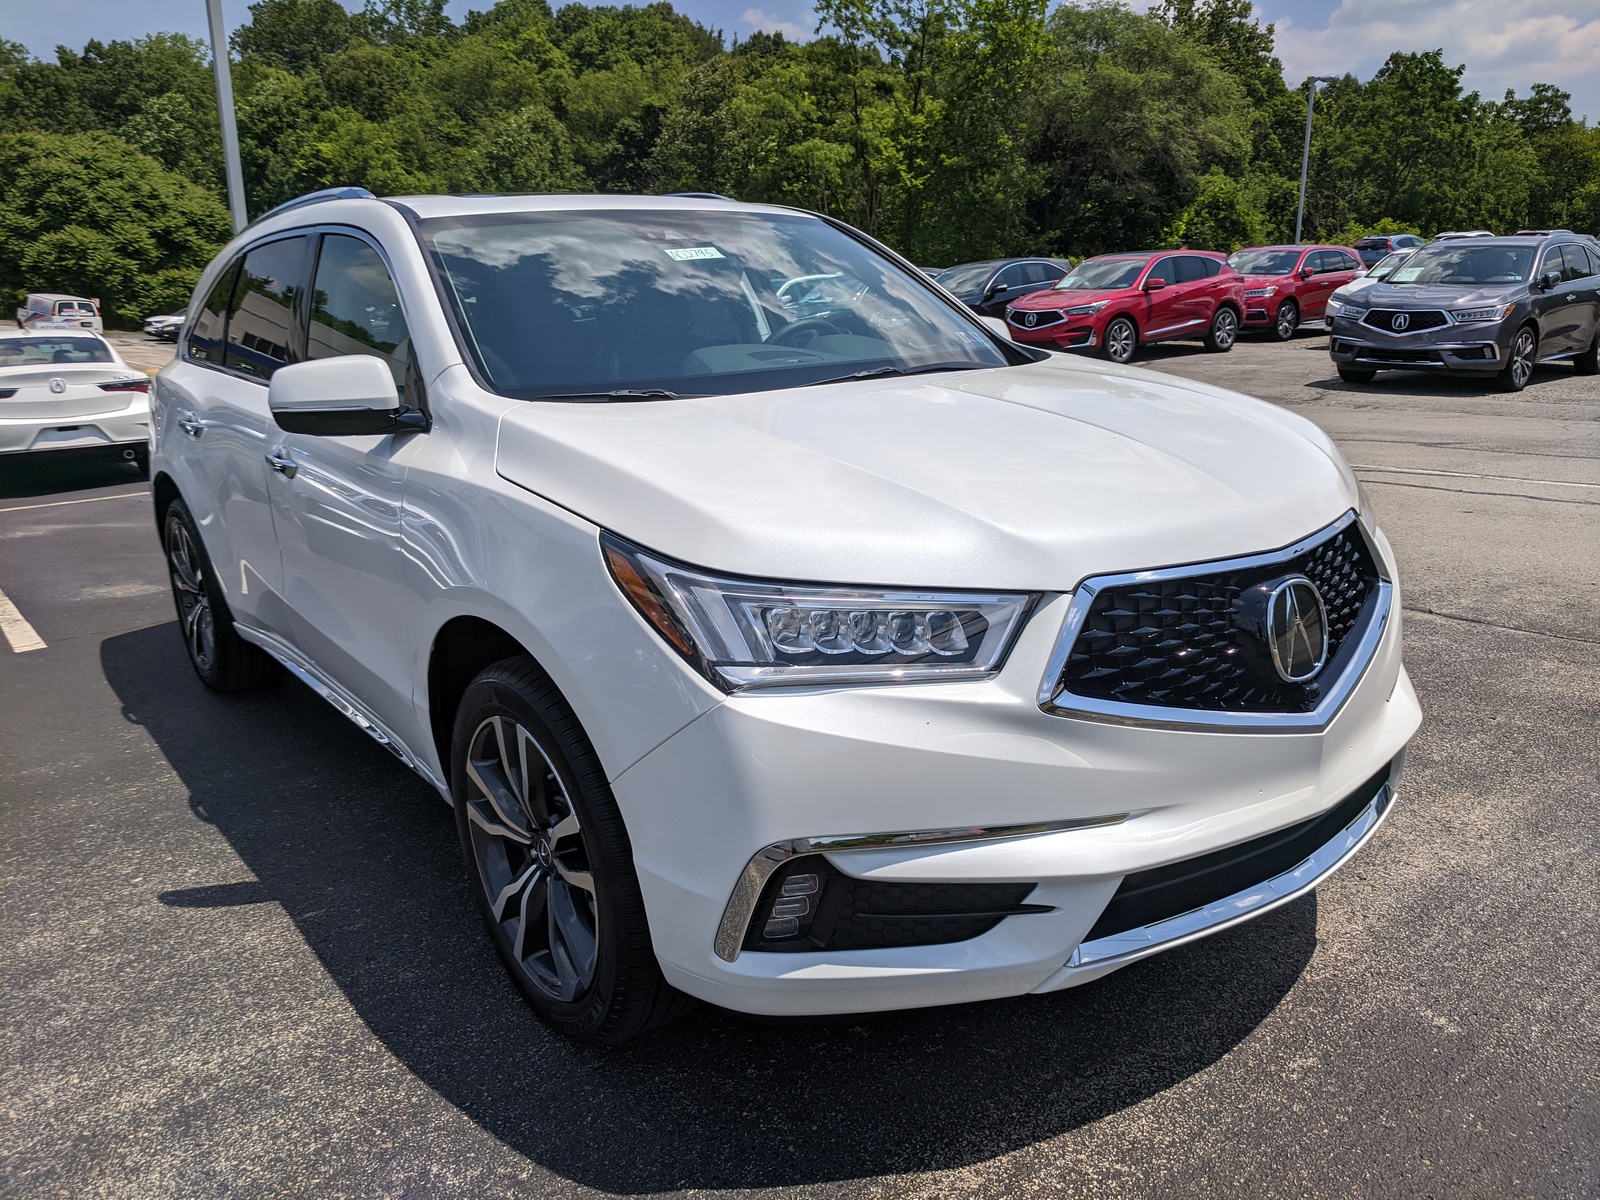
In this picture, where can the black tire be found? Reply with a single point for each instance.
(1588, 363)
(1121, 341)
(1524, 354)
(1224, 331)
(1357, 374)
(1286, 322)
(141, 462)
(591, 971)
(223, 660)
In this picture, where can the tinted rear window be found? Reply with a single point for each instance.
(38, 351)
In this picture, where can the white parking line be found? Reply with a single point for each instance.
(85, 500)
(22, 636)
(1470, 475)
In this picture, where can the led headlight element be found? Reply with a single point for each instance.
(1087, 310)
(743, 633)
(1481, 314)
(1256, 293)
(1344, 308)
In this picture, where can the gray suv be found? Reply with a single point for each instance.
(1478, 306)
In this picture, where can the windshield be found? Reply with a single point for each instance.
(591, 304)
(968, 277)
(1099, 274)
(33, 351)
(1386, 265)
(1264, 262)
(1459, 263)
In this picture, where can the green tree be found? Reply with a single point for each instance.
(293, 35)
(86, 213)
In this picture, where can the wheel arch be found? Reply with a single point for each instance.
(462, 647)
(163, 491)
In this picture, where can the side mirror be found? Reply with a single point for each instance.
(997, 327)
(1154, 285)
(1305, 272)
(340, 397)
(995, 288)
(1549, 280)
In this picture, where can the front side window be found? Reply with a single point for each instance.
(1166, 271)
(1192, 269)
(211, 322)
(594, 304)
(1576, 262)
(354, 306)
(261, 317)
(1102, 274)
(40, 351)
(1465, 264)
(1012, 276)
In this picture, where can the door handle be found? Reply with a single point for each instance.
(191, 426)
(282, 464)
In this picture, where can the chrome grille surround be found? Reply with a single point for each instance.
(1046, 316)
(1055, 699)
(1416, 320)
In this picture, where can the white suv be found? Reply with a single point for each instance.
(804, 653)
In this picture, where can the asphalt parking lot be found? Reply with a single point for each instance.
(239, 958)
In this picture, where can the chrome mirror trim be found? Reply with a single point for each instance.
(747, 891)
(1057, 701)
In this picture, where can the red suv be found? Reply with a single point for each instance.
(1115, 302)
(1286, 286)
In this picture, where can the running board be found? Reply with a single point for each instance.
(359, 716)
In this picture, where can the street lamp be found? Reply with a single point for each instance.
(230, 129)
(1305, 156)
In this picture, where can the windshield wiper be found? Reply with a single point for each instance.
(876, 372)
(616, 394)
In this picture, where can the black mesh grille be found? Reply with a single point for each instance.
(1177, 643)
(846, 913)
(1383, 318)
(1041, 317)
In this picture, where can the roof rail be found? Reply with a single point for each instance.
(698, 196)
(333, 193)
(1539, 232)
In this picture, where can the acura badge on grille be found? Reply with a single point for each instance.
(1297, 629)
(1399, 322)
(1031, 319)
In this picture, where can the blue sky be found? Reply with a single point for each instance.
(1505, 43)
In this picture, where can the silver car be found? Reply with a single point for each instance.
(1476, 306)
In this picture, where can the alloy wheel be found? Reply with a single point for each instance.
(1224, 329)
(532, 862)
(1120, 340)
(194, 602)
(1288, 321)
(1521, 366)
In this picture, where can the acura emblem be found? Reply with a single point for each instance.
(1297, 629)
(1031, 320)
(58, 385)
(1399, 321)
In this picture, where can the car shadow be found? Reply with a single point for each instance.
(362, 856)
(1418, 383)
(24, 475)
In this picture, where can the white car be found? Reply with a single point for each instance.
(69, 389)
(165, 328)
(799, 664)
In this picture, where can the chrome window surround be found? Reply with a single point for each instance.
(1057, 701)
(747, 891)
(1119, 949)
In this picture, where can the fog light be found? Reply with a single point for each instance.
(793, 909)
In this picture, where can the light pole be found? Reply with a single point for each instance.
(1305, 155)
(230, 130)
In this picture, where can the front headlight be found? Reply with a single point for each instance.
(1258, 293)
(1343, 308)
(745, 633)
(1464, 315)
(1086, 310)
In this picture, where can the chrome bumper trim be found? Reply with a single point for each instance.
(1059, 702)
(1119, 949)
(747, 891)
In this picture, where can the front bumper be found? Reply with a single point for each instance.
(1475, 349)
(1097, 801)
(124, 428)
(1075, 333)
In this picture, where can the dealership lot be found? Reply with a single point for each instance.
(241, 958)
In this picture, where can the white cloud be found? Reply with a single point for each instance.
(767, 22)
(1504, 43)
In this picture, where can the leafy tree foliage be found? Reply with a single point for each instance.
(85, 213)
(953, 129)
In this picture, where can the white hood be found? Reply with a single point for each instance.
(1022, 478)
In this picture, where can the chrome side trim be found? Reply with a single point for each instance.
(307, 673)
(747, 891)
(1060, 703)
(1119, 949)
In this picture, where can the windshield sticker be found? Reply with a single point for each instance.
(1405, 274)
(692, 252)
